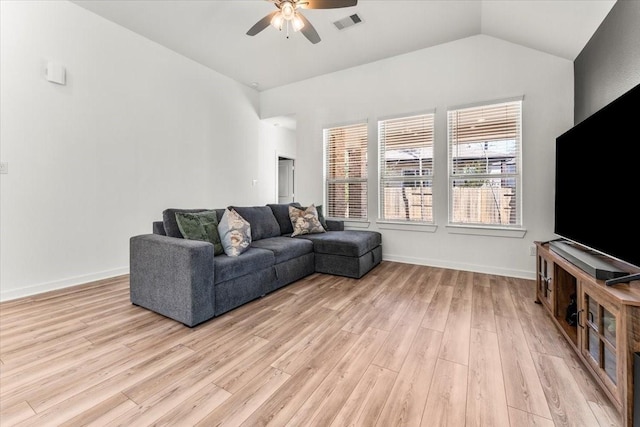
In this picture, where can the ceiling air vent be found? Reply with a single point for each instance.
(348, 21)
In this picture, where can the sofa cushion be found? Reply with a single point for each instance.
(169, 220)
(281, 212)
(200, 226)
(263, 223)
(235, 233)
(158, 228)
(353, 243)
(285, 248)
(230, 267)
(305, 221)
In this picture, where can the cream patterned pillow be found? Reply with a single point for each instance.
(305, 221)
(235, 233)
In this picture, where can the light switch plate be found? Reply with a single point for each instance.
(4, 167)
(56, 73)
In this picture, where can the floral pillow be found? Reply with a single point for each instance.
(235, 233)
(305, 221)
(321, 218)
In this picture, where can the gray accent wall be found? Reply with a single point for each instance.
(609, 65)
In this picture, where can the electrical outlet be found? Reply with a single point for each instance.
(532, 250)
(4, 167)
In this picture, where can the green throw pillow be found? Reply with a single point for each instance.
(200, 226)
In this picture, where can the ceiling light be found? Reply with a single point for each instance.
(287, 10)
(297, 23)
(277, 21)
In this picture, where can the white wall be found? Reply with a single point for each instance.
(475, 69)
(274, 141)
(138, 128)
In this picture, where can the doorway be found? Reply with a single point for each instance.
(286, 173)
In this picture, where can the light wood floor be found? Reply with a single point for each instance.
(405, 345)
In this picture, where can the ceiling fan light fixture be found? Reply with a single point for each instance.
(277, 21)
(297, 23)
(287, 10)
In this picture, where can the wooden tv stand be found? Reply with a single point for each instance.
(607, 330)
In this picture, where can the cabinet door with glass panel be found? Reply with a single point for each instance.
(545, 282)
(600, 341)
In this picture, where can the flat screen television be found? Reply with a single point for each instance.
(597, 181)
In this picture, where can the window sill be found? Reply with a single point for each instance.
(353, 223)
(487, 231)
(407, 226)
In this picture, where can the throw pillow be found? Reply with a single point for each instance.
(169, 220)
(281, 212)
(305, 221)
(235, 233)
(321, 218)
(200, 226)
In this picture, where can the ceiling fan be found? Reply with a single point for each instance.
(288, 13)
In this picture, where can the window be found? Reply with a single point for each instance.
(346, 171)
(406, 168)
(484, 164)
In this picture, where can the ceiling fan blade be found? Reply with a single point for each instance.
(308, 30)
(261, 24)
(327, 4)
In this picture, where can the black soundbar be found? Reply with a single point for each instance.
(589, 262)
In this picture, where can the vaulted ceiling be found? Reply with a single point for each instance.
(213, 33)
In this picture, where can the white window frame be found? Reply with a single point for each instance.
(515, 176)
(394, 123)
(362, 179)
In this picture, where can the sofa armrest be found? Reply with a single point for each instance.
(173, 277)
(335, 225)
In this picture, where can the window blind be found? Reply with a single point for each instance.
(346, 171)
(406, 168)
(484, 164)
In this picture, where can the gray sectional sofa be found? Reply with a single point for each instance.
(183, 280)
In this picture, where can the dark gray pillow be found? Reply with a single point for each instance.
(200, 226)
(281, 212)
(263, 223)
(170, 223)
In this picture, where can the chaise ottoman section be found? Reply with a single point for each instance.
(350, 253)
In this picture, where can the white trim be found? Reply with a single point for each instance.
(407, 226)
(486, 102)
(344, 124)
(407, 115)
(486, 231)
(277, 189)
(61, 284)
(325, 180)
(518, 176)
(521, 274)
(354, 223)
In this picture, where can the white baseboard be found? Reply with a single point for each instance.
(61, 284)
(79, 280)
(521, 274)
